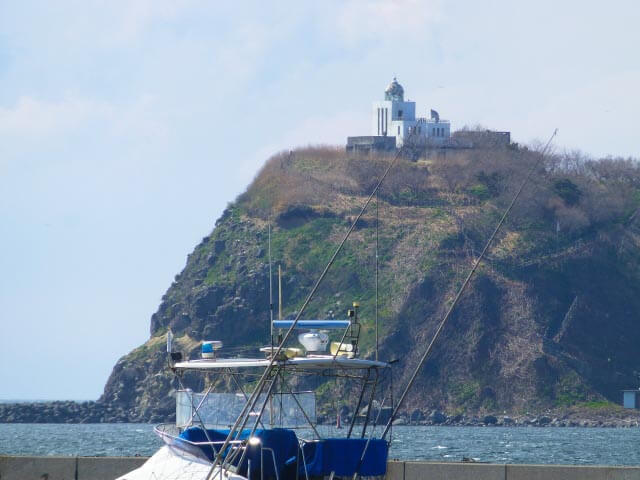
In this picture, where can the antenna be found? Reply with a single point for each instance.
(377, 276)
(270, 293)
(279, 293)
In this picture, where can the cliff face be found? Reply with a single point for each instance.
(550, 319)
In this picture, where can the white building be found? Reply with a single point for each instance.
(395, 117)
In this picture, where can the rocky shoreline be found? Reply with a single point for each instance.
(568, 418)
(64, 411)
(100, 412)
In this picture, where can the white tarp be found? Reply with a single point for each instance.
(172, 464)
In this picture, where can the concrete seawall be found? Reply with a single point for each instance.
(66, 468)
(491, 471)
(108, 468)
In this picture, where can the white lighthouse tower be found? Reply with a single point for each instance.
(395, 117)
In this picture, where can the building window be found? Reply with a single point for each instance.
(433, 132)
(398, 129)
(399, 113)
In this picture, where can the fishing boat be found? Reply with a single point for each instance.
(273, 432)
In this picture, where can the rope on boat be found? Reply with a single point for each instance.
(464, 286)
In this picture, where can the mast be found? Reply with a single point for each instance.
(279, 293)
(270, 294)
(377, 275)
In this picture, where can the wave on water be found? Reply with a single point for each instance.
(575, 446)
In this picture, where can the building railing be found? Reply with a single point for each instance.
(431, 120)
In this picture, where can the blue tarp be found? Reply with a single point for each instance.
(340, 455)
(283, 442)
(197, 434)
(344, 457)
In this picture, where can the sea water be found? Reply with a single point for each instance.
(578, 446)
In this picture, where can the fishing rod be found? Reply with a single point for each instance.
(253, 399)
(464, 286)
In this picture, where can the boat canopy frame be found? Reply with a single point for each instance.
(367, 372)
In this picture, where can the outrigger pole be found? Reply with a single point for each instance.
(270, 294)
(464, 286)
(377, 268)
(253, 399)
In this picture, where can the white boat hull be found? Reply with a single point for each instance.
(173, 464)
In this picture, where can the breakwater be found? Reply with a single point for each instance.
(108, 468)
(62, 411)
(69, 411)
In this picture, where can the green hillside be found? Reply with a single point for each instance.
(550, 320)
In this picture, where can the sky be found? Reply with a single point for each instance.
(126, 127)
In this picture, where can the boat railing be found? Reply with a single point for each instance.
(159, 430)
(304, 458)
(170, 435)
(275, 464)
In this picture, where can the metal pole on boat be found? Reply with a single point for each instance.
(233, 432)
(270, 295)
(284, 383)
(464, 286)
(255, 424)
(377, 276)
(279, 293)
(246, 397)
(371, 398)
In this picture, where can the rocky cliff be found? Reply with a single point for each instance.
(550, 320)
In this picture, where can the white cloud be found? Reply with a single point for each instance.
(31, 118)
(33, 125)
(598, 116)
(376, 20)
(137, 15)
